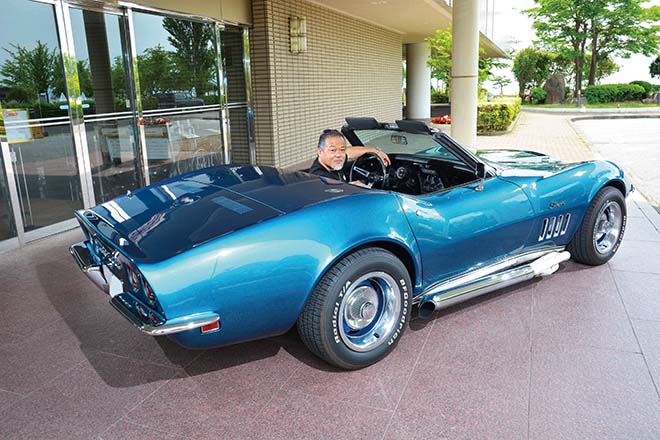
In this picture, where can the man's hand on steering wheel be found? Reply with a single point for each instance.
(362, 174)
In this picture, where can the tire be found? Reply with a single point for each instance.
(601, 231)
(357, 313)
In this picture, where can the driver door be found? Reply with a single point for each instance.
(462, 229)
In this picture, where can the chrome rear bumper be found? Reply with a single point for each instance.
(94, 272)
(182, 324)
(125, 303)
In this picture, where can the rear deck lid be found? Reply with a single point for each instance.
(177, 214)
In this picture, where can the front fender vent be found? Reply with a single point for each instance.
(554, 226)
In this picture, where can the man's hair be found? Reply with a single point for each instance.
(327, 134)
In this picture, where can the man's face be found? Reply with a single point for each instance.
(334, 153)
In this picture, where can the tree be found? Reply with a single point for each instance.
(441, 59)
(501, 82)
(654, 68)
(154, 71)
(32, 70)
(194, 54)
(563, 26)
(531, 67)
(621, 28)
(604, 27)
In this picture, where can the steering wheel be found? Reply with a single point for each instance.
(369, 167)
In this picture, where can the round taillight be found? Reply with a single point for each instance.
(150, 293)
(135, 281)
(142, 313)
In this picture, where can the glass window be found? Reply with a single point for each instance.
(232, 53)
(178, 80)
(401, 142)
(36, 115)
(7, 229)
(109, 122)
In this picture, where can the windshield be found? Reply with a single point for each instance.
(418, 144)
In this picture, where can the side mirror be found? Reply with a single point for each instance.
(481, 175)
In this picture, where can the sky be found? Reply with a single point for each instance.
(512, 28)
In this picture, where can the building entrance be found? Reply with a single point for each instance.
(101, 99)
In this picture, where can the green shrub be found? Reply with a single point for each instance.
(149, 102)
(538, 95)
(498, 114)
(648, 87)
(439, 97)
(211, 99)
(614, 93)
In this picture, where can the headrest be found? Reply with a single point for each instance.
(363, 123)
(411, 126)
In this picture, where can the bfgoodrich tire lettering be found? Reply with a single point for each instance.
(601, 231)
(358, 311)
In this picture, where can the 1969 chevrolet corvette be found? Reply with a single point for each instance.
(234, 253)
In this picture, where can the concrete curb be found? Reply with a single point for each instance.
(649, 212)
(627, 116)
(612, 111)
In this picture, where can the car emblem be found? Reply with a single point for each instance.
(557, 204)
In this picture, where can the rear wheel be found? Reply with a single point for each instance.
(601, 231)
(359, 310)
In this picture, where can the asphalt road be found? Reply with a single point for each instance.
(634, 144)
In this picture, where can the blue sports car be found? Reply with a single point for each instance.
(234, 253)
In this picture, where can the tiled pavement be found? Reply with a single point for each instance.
(572, 356)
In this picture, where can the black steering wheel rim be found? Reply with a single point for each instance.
(373, 177)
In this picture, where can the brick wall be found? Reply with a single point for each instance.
(350, 68)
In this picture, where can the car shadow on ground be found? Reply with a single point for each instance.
(99, 330)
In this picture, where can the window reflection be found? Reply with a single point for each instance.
(179, 93)
(7, 229)
(109, 123)
(232, 51)
(35, 114)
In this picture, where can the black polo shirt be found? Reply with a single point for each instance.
(341, 175)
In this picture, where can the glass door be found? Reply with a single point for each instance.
(178, 84)
(35, 112)
(7, 227)
(100, 41)
(235, 47)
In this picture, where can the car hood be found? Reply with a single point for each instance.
(523, 163)
(171, 216)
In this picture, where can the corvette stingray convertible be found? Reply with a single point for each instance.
(234, 253)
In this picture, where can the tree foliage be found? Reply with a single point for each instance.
(440, 60)
(531, 67)
(654, 68)
(501, 82)
(599, 28)
(194, 54)
(33, 71)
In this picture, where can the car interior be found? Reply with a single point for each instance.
(419, 163)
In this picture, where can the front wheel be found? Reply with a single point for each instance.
(601, 231)
(359, 310)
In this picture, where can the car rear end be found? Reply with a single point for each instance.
(109, 266)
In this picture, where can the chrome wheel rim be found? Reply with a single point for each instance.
(369, 311)
(608, 227)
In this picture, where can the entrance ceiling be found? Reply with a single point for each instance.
(415, 20)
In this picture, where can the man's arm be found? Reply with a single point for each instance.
(355, 152)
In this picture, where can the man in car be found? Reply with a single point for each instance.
(333, 156)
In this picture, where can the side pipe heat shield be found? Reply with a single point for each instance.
(467, 287)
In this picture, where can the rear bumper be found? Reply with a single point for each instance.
(83, 257)
(126, 304)
(178, 325)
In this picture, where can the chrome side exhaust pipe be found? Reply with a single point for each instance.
(454, 291)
